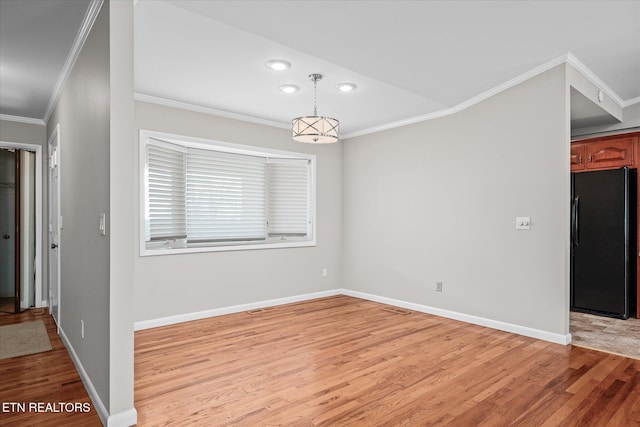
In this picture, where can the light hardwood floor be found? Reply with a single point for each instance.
(340, 361)
(48, 377)
(344, 361)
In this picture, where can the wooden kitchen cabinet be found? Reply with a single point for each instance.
(577, 157)
(609, 152)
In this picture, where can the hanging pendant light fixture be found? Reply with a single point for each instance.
(315, 129)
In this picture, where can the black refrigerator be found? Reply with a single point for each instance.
(603, 242)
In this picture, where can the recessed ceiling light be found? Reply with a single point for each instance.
(278, 64)
(346, 87)
(289, 88)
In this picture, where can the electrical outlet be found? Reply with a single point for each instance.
(438, 286)
(325, 272)
(82, 328)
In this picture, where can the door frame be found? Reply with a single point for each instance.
(39, 214)
(55, 136)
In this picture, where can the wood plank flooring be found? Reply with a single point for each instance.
(48, 377)
(344, 361)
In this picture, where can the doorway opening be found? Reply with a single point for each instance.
(20, 227)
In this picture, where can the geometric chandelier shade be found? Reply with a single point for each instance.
(315, 129)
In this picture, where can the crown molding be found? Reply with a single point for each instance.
(567, 58)
(19, 119)
(206, 110)
(78, 43)
(411, 120)
(591, 76)
(630, 102)
(465, 104)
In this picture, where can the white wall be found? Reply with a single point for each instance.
(121, 215)
(437, 201)
(177, 284)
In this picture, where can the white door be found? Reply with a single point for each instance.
(54, 227)
(27, 229)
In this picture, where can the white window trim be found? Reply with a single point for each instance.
(203, 143)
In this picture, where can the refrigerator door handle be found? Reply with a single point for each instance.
(576, 217)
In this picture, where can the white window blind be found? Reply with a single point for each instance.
(165, 207)
(225, 196)
(204, 195)
(288, 197)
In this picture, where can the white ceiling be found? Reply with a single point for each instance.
(36, 37)
(408, 58)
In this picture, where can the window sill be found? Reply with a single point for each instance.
(237, 247)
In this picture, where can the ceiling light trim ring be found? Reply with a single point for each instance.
(289, 88)
(277, 64)
(346, 87)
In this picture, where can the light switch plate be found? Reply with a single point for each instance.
(102, 224)
(523, 223)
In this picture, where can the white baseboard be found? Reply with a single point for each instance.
(187, 317)
(481, 321)
(489, 323)
(123, 419)
(88, 385)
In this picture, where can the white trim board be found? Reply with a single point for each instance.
(591, 76)
(187, 317)
(88, 385)
(121, 419)
(481, 321)
(467, 318)
(20, 119)
(567, 58)
(207, 110)
(632, 101)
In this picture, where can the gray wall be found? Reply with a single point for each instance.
(437, 201)
(223, 279)
(25, 133)
(83, 112)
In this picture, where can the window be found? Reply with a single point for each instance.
(200, 195)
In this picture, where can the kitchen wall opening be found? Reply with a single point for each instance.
(604, 297)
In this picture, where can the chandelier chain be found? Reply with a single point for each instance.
(315, 96)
